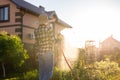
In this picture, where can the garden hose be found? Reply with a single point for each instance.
(73, 74)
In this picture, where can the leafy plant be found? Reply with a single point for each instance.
(31, 75)
(11, 50)
(103, 70)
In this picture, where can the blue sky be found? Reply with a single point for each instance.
(91, 19)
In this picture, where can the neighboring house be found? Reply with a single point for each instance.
(18, 17)
(110, 48)
(109, 45)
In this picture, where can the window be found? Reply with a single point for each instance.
(4, 13)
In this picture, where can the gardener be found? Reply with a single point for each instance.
(44, 36)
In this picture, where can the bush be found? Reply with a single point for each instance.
(31, 75)
(61, 75)
(103, 70)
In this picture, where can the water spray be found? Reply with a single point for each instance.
(73, 73)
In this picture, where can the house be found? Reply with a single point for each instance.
(110, 48)
(109, 45)
(18, 17)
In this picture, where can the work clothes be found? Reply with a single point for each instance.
(44, 46)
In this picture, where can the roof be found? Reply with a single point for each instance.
(63, 23)
(31, 8)
(38, 10)
(110, 39)
(53, 13)
(27, 6)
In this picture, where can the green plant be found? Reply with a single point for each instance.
(31, 75)
(11, 51)
(103, 70)
(61, 75)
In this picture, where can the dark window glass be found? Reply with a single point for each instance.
(4, 13)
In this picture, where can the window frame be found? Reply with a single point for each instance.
(8, 14)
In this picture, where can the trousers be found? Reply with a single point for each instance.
(46, 64)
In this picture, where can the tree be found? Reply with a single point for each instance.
(11, 50)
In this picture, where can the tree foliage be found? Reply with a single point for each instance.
(12, 50)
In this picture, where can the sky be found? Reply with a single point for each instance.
(90, 19)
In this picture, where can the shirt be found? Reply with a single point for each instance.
(44, 36)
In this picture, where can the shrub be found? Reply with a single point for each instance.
(31, 75)
(61, 75)
(103, 70)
